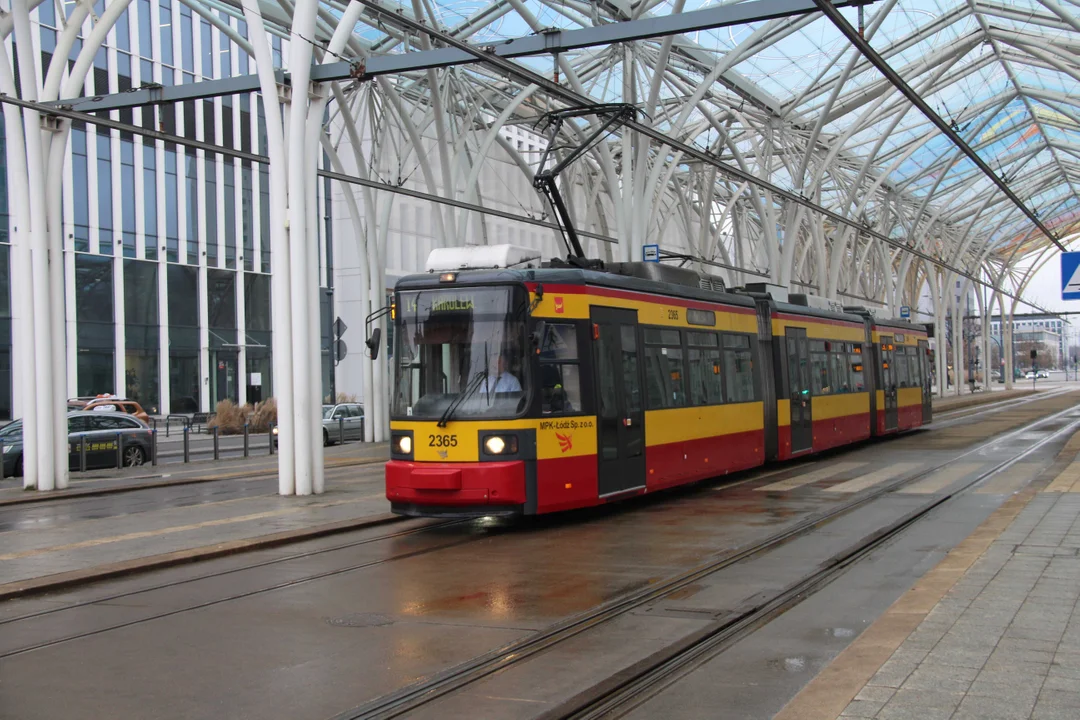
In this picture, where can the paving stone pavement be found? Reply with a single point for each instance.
(1004, 642)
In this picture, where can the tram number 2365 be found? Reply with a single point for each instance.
(442, 440)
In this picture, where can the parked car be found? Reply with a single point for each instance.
(1043, 374)
(1031, 375)
(99, 428)
(341, 422)
(109, 403)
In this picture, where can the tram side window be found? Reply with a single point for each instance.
(839, 374)
(560, 377)
(704, 377)
(914, 367)
(858, 384)
(819, 369)
(738, 369)
(900, 368)
(664, 368)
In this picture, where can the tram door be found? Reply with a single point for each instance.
(888, 382)
(620, 417)
(927, 382)
(802, 421)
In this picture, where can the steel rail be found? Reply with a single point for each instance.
(664, 669)
(412, 697)
(247, 593)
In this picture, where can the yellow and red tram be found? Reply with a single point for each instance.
(526, 391)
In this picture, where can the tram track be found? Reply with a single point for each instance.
(632, 688)
(949, 417)
(424, 693)
(535, 644)
(222, 573)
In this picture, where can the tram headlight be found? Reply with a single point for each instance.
(403, 445)
(501, 445)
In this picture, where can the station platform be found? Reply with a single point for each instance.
(110, 522)
(992, 632)
(205, 595)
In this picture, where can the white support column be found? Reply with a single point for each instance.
(281, 310)
(43, 445)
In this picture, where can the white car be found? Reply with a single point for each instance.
(1030, 375)
(1043, 374)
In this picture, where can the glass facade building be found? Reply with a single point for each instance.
(167, 248)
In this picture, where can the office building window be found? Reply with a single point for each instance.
(211, 211)
(183, 293)
(104, 193)
(248, 215)
(80, 193)
(127, 196)
(95, 338)
(150, 206)
(172, 218)
(141, 333)
(191, 200)
(230, 212)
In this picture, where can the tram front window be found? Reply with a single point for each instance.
(460, 353)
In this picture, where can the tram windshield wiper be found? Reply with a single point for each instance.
(478, 379)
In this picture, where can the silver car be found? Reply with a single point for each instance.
(342, 422)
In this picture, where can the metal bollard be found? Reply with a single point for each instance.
(341, 430)
(270, 436)
(1, 459)
(166, 427)
(153, 447)
(247, 446)
(119, 450)
(217, 455)
(82, 453)
(187, 445)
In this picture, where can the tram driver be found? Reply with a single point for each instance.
(503, 381)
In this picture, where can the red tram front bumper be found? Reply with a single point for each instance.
(455, 484)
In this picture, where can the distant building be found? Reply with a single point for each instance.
(1047, 330)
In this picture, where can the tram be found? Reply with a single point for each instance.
(523, 388)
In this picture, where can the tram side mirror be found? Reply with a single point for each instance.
(535, 341)
(373, 342)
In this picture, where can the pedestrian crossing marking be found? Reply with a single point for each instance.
(871, 479)
(1067, 481)
(1010, 480)
(941, 479)
(811, 477)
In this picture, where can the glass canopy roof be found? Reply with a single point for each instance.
(793, 102)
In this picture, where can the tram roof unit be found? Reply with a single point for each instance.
(507, 264)
(608, 278)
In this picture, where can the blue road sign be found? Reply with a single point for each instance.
(651, 253)
(905, 311)
(1070, 276)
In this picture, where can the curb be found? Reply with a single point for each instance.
(115, 489)
(984, 399)
(75, 578)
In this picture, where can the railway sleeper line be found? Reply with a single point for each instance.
(425, 692)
